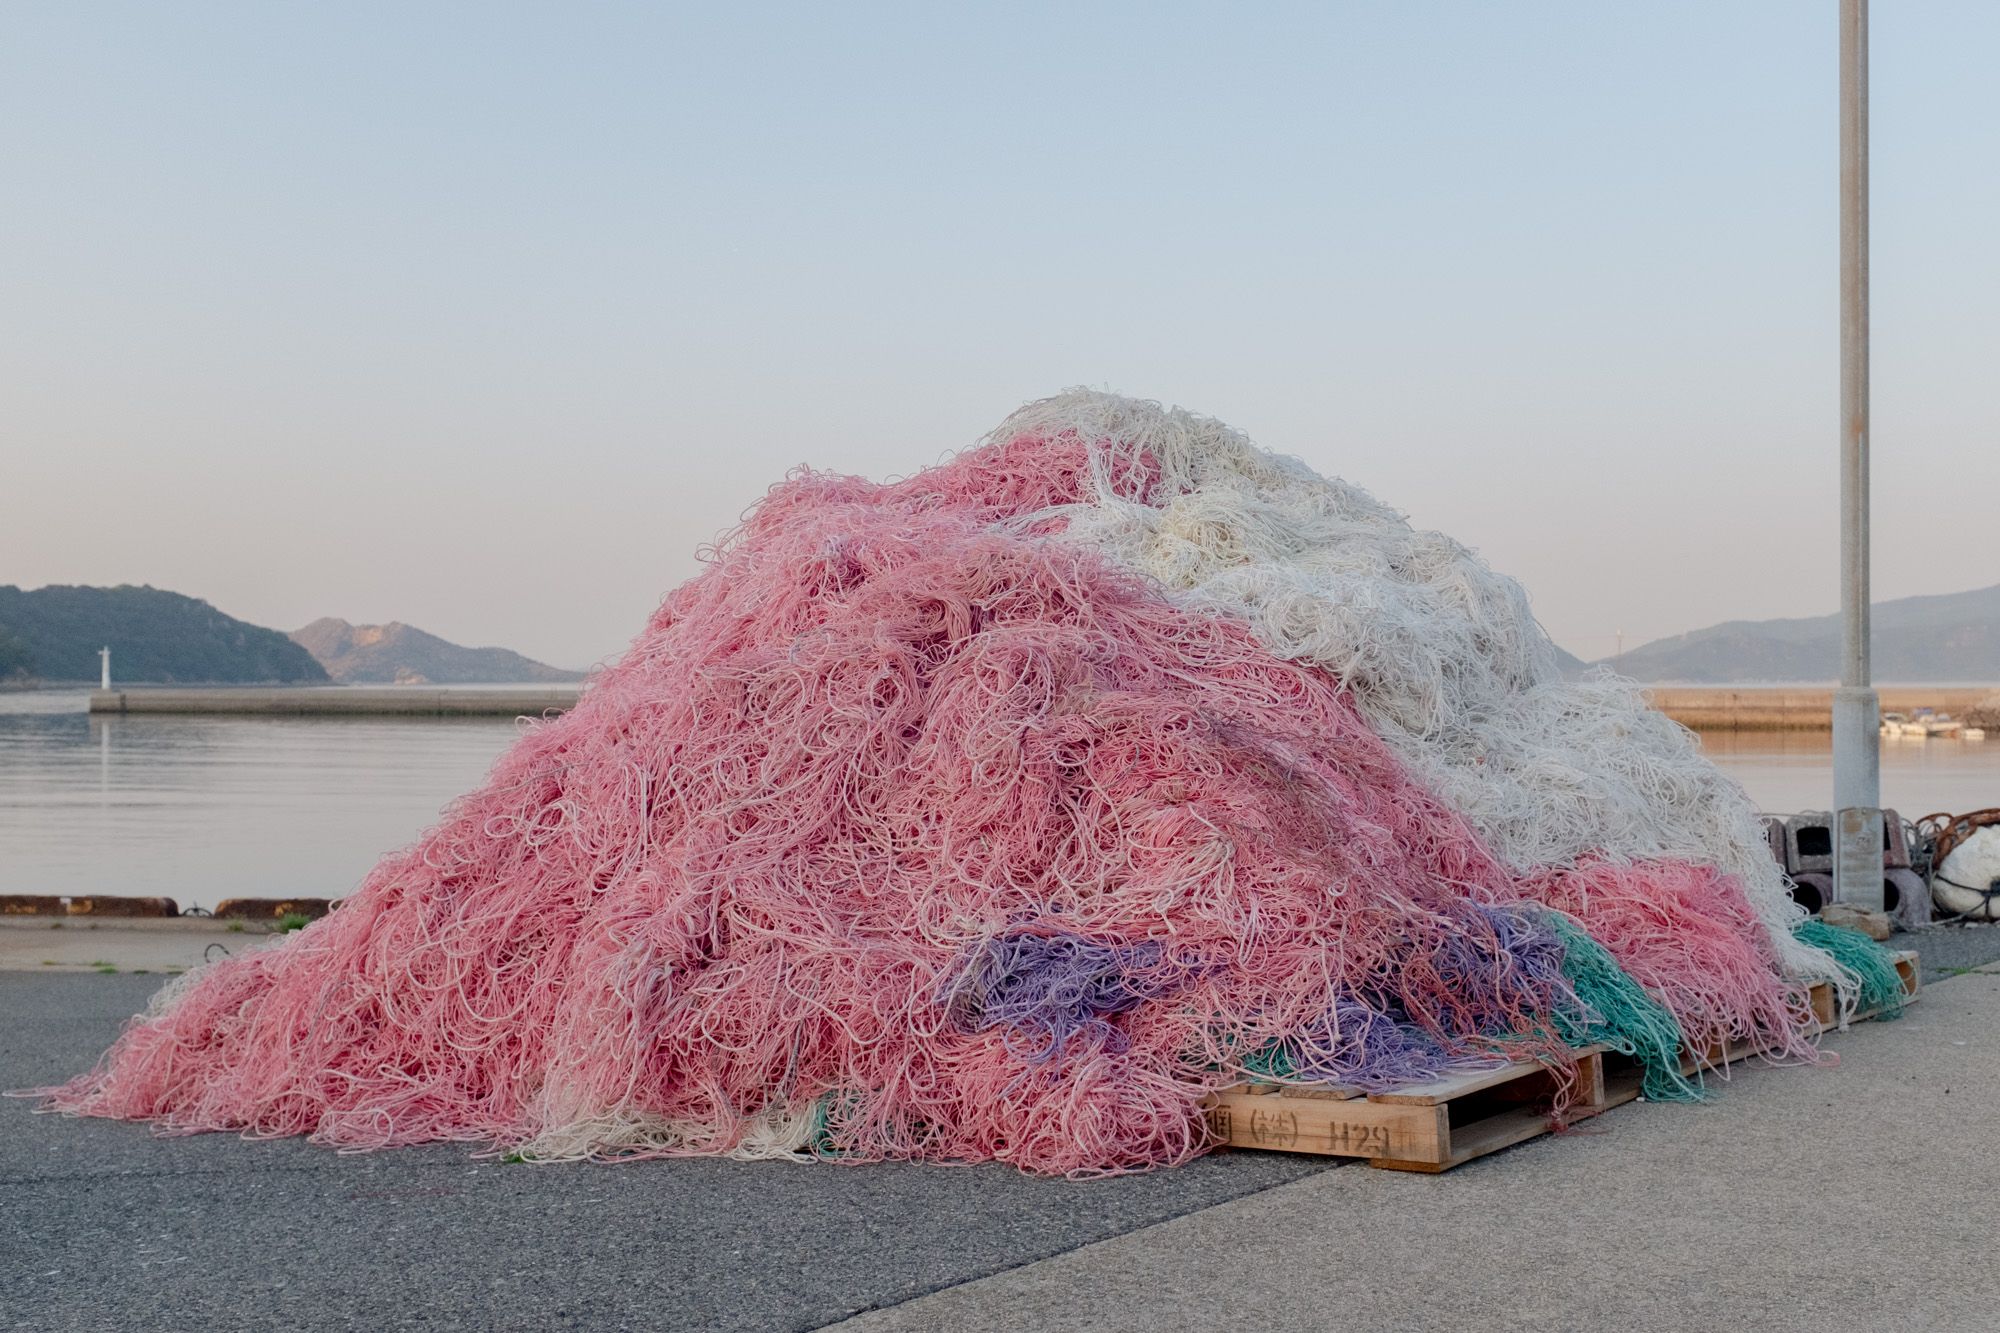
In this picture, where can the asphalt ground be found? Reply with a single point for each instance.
(104, 1226)
(1949, 950)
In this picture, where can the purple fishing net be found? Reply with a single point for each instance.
(1049, 990)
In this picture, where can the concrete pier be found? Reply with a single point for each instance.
(1795, 708)
(1702, 707)
(342, 701)
(160, 944)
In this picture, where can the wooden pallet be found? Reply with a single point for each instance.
(1430, 1126)
(1449, 1121)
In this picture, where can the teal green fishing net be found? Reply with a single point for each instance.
(1881, 983)
(1616, 1011)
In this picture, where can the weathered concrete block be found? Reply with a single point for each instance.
(1875, 925)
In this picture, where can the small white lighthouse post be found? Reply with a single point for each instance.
(104, 656)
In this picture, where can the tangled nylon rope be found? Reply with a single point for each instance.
(930, 821)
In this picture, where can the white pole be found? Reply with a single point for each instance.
(1857, 757)
(104, 656)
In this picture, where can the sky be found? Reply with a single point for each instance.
(484, 317)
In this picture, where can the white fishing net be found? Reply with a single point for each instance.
(1443, 656)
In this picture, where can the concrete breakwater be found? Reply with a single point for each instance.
(1795, 708)
(1702, 707)
(342, 701)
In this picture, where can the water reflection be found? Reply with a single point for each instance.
(205, 808)
(1786, 771)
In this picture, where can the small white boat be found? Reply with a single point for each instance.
(1973, 734)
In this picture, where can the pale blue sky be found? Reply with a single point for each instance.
(484, 316)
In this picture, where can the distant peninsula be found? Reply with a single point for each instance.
(1951, 638)
(399, 654)
(51, 636)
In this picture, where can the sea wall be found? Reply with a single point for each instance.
(1794, 708)
(1702, 707)
(339, 700)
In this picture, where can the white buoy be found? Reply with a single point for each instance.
(104, 655)
(1964, 883)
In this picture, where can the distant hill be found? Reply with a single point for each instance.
(156, 637)
(399, 654)
(1916, 640)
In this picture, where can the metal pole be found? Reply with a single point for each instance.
(1857, 760)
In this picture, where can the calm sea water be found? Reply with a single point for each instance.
(204, 808)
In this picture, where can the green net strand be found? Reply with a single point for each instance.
(1874, 965)
(820, 1142)
(1273, 1063)
(1616, 1011)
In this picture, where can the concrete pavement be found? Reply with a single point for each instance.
(1860, 1197)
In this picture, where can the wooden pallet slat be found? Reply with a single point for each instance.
(1325, 1126)
(1464, 1083)
(1338, 1092)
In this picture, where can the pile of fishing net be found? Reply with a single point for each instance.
(1005, 812)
